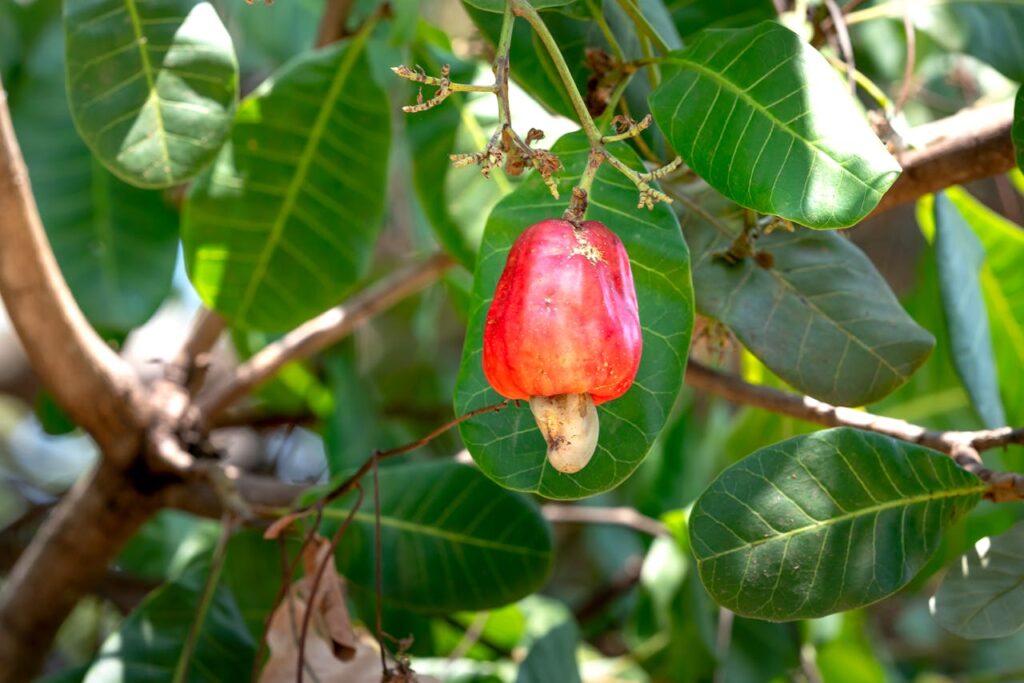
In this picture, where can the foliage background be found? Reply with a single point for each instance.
(631, 606)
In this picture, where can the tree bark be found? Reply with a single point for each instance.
(92, 383)
(66, 559)
(968, 146)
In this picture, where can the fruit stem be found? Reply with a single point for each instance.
(525, 10)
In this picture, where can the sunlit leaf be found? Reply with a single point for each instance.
(284, 223)
(982, 595)
(552, 657)
(808, 304)
(507, 445)
(1002, 282)
(116, 244)
(451, 540)
(766, 121)
(152, 85)
(960, 258)
(824, 523)
(147, 646)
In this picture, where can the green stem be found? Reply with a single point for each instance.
(865, 83)
(524, 9)
(613, 101)
(653, 74)
(501, 67)
(613, 43)
(644, 26)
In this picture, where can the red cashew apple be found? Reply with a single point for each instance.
(563, 332)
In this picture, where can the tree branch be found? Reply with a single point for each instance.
(968, 146)
(334, 23)
(97, 388)
(805, 408)
(322, 331)
(100, 392)
(613, 516)
(961, 446)
(188, 369)
(67, 558)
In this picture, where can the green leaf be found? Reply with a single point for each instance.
(451, 540)
(507, 445)
(167, 545)
(267, 35)
(499, 5)
(824, 523)
(152, 85)
(552, 657)
(991, 31)
(982, 595)
(253, 574)
(147, 646)
(116, 244)
(351, 431)
(691, 16)
(1018, 128)
(766, 121)
(960, 257)
(284, 223)
(1002, 282)
(820, 317)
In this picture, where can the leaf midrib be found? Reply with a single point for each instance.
(754, 104)
(147, 69)
(862, 512)
(352, 52)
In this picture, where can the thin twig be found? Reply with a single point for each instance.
(614, 516)
(619, 585)
(723, 641)
(287, 577)
(845, 46)
(371, 462)
(378, 576)
(327, 560)
(322, 331)
(908, 67)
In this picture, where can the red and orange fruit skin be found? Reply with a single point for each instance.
(564, 319)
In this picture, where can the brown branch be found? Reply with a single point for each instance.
(614, 516)
(67, 558)
(960, 445)
(322, 331)
(334, 23)
(268, 496)
(605, 595)
(97, 389)
(188, 369)
(72, 549)
(971, 145)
